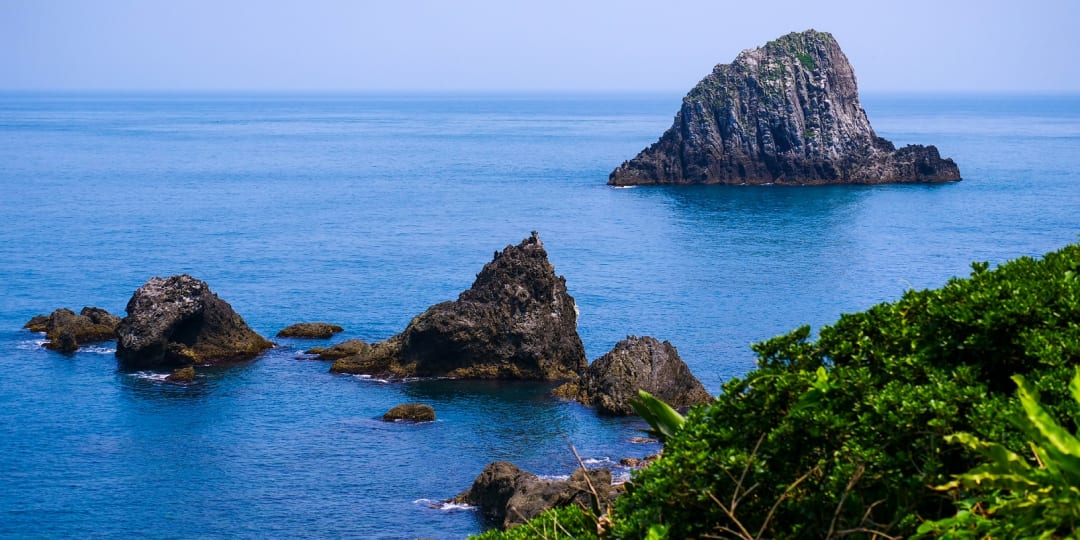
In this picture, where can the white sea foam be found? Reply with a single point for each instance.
(553, 476)
(446, 506)
(31, 344)
(150, 375)
(39, 344)
(624, 187)
(593, 462)
(366, 377)
(98, 349)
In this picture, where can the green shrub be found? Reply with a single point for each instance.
(566, 523)
(1011, 497)
(843, 435)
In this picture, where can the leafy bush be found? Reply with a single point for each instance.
(843, 435)
(566, 523)
(1012, 497)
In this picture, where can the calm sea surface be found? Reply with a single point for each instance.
(364, 210)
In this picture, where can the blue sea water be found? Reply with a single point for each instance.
(363, 210)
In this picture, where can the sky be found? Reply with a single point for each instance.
(508, 45)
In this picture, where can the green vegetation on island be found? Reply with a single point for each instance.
(849, 434)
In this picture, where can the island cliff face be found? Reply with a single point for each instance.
(785, 113)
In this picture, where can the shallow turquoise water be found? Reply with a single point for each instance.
(364, 210)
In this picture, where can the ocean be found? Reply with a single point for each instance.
(363, 210)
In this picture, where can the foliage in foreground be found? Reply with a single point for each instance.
(1012, 497)
(566, 523)
(663, 420)
(843, 436)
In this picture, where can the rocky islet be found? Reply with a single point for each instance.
(636, 363)
(787, 113)
(310, 330)
(178, 321)
(66, 331)
(517, 321)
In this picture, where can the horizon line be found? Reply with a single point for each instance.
(503, 91)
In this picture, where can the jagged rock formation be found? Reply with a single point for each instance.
(66, 331)
(517, 321)
(785, 113)
(315, 330)
(410, 412)
(178, 322)
(636, 364)
(508, 496)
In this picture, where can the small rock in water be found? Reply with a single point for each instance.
(182, 375)
(315, 330)
(341, 350)
(636, 363)
(410, 412)
(510, 496)
(66, 331)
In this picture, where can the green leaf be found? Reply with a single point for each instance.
(663, 420)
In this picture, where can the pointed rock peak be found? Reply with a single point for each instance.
(525, 266)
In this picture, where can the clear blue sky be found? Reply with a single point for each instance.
(903, 45)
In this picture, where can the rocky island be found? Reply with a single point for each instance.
(179, 321)
(517, 321)
(787, 113)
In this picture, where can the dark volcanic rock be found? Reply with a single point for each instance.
(177, 322)
(508, 496)
(341, 350)
(785, 113)
(66, 331)
(411, 412)
(315, 330)
(516, 322)
(636, 364)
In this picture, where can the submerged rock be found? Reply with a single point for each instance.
(509, 496)
(517, 321)
(785, 113)
(636, 363)
(66, 331)
(315, 330)
(177, 322)
(410, 412)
